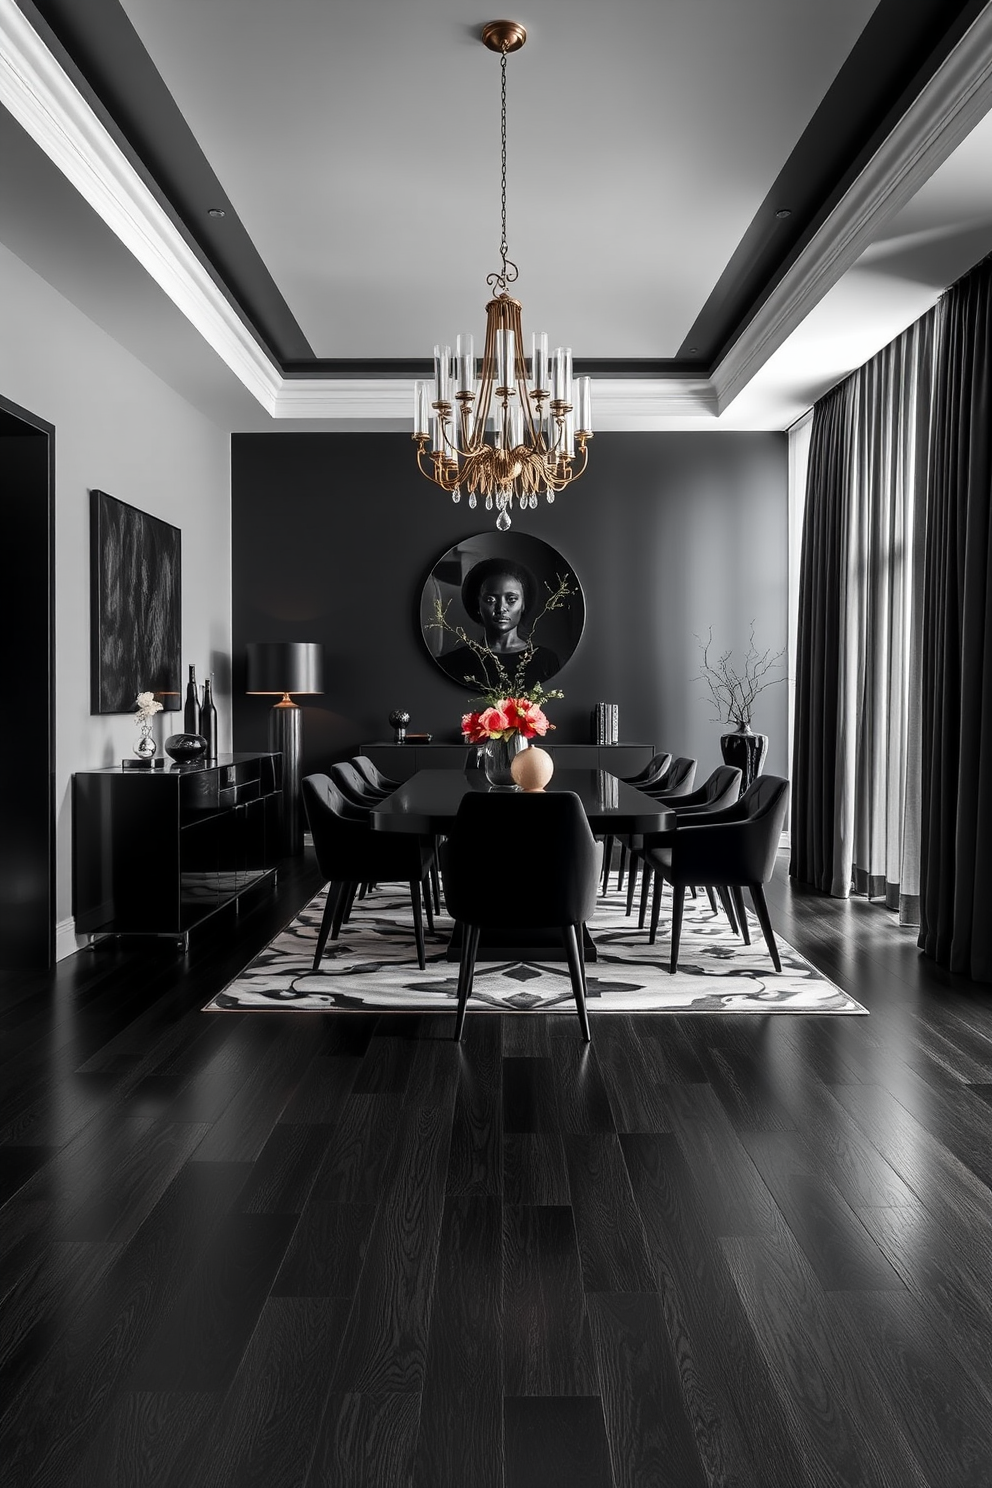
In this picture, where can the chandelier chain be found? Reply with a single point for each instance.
(509, 271)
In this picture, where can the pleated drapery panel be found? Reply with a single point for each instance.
(956, 840)
(856, 761)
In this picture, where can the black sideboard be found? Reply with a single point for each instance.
(400, 761)
(157, 851)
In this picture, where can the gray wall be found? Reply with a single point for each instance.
(118, 428)
(334, 534)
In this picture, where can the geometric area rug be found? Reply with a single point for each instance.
(373, 967)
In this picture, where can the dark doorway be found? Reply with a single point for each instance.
(27, 733)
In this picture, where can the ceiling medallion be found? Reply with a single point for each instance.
(517, 431)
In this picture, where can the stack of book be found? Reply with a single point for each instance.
(606, 723)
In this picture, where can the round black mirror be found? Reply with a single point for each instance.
(501, 612)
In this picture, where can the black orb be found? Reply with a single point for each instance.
(185, 749)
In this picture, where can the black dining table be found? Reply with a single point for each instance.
(428, 802)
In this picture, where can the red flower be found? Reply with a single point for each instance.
(526, 717)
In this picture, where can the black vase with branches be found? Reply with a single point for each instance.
(733, 689)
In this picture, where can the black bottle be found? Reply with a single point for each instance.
(191, 712)
(208, 721)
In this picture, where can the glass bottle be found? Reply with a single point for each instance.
(208, 721)
(191, 711)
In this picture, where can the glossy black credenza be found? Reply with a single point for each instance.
(400, 761)
(157, 851)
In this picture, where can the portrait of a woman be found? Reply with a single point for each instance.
(493, 605)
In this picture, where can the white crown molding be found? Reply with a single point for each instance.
(40, 95)
(957, 96)
(617, 404)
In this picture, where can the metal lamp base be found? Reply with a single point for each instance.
(286, 738)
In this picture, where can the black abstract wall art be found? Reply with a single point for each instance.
(136, 606)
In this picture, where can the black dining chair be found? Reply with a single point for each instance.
(655, 769)
(349, 853)
(733, 849)
(374, 776)
(358, 792)
(676, 782)
(722, 788)
(552, 861)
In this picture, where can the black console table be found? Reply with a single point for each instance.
(400, 761)
(157, 851)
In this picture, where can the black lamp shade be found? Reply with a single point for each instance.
(285, 666)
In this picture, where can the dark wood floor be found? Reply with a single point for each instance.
(305, 1249)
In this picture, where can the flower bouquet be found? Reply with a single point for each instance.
(148, 706)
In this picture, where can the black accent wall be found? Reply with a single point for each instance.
(334, 534)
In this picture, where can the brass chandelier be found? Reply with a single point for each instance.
(517, 431)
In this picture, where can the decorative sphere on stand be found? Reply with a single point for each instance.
(400, 719)
(532, 768)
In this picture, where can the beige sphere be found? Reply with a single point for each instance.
(532, 768)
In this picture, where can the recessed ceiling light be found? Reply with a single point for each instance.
(216, 212)
(784, 212)
(691, 350)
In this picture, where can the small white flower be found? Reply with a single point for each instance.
(148, 706)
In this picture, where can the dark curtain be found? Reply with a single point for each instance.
(821, 590)
(956, 837)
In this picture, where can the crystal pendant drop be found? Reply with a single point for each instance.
(456, 495)
(489, 503)
(533, 500)
(503, 520)
(472, 501)
(550, 496)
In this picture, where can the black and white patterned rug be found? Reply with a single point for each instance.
(373, 966)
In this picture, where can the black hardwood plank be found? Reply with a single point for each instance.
(612, 1247)
(144, 1442)
(65, 1399)
(359, 1151)
(582, 1097)
(286, 1170)
(265, 1432)
(633, 1068)
(460, 1439)
(556, 1443)
(734, 1198)
(321, 1095)
(327, 1251)
(547, 1345)
(647, 1424)
(49, 1285)
(946, 1416)
(475, 1164)
(719, 1362)
(845, 1435)
(534, 1169)
(836, 1244)
(129, 1192)
(366, 1439)
(529, 1103)
(385, 1344)
(17, 1165)
(199, 1344)
(242, 1131)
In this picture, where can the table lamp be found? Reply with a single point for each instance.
(281, 668)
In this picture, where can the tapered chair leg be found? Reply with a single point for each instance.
(728, 907)
(607, 860)
(646, 880)
(761, 910)
(678, 898)
(334, 891)
(466, 973)
(622, 867)
(711, 897)
(435, 887)
(635, 864)
(427, 889)
(659, 889)
(737, 894)
(342, 908)
(577, 972)
(416, 889)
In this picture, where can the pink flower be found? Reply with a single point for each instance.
(470, 728)
(494, 722)
(526, 717)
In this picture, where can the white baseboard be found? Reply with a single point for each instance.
(67, 942)
(785, 841)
